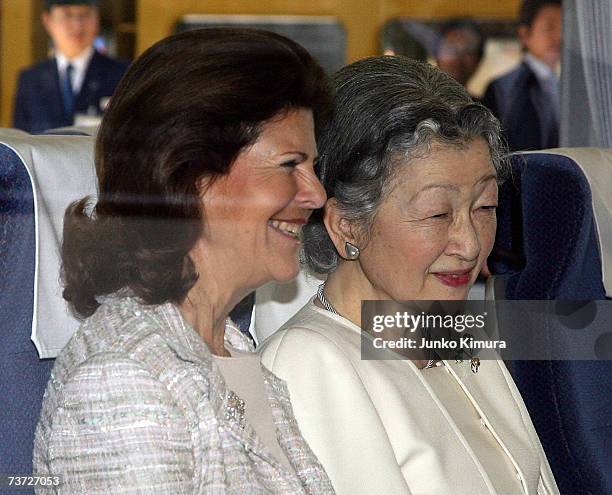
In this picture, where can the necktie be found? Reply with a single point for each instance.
(552, 88)
(67, 94)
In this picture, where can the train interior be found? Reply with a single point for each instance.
(554, 237)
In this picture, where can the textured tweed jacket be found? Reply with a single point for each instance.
(136, 404)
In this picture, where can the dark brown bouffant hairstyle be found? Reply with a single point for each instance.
(179, 118)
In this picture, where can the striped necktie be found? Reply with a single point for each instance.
(67, 94)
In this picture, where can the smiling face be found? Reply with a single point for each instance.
(253, 216)
(72, 28)
(433, 233)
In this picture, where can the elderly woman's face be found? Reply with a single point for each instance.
(433, 233)
(253, 216)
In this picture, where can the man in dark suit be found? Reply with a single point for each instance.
(77, 80)
(526, 100)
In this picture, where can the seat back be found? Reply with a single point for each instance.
(548, 247)
(37, 181)
(22, 375)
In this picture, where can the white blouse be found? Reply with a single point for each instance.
(243, 376)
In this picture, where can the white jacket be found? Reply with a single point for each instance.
(379, 428)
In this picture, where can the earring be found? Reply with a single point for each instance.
(352, 251)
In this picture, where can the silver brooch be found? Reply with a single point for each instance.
(474, 363)
(235, 409)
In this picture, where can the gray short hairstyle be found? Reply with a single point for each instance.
(386, 112)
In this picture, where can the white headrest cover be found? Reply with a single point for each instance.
(61, 169)
(275, 303)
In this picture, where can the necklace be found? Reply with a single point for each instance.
(323, 300)
(474, 362)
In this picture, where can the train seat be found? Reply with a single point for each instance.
(554, 243)
(276, 303)
(39, 176)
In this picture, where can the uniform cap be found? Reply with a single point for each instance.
(54, 3)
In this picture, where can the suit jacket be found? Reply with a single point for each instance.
(377, 426)
(524, 109)
(38, 102)
(136, 404)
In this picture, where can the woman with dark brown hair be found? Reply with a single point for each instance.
(205, 163)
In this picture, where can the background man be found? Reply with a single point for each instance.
(460, 49)
(526, 100)
(76, 80)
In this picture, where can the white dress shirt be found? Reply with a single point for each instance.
(548, 79)
(79, 64)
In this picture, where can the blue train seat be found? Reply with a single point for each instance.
(554, 242)
(39, 176)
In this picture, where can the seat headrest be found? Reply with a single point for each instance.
(276, 303)
(553, 226)
(61, 170)
(596, 164)
(75, 130)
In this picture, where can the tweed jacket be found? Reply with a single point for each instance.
(136, 404)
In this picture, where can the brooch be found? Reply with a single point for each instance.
(235, 409)
(474, 363)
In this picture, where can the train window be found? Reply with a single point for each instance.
(454, 44)
(323, 36)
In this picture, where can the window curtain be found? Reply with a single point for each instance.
(586, 76)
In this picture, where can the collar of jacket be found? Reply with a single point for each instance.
(190, 347)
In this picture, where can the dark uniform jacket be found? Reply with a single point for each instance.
(38, 103)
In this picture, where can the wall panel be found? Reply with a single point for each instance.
(361, 18)
(18, 42)
(155, 19)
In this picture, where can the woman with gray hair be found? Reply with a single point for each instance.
(410, 165)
